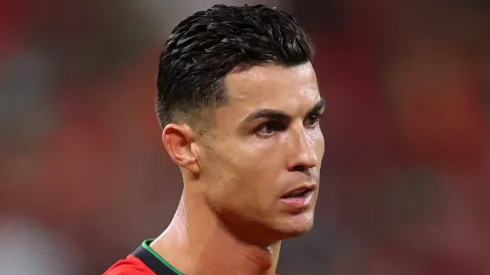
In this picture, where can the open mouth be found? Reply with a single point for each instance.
(298, 193)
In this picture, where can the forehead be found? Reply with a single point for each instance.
(274, 87)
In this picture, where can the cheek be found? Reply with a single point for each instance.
(319, 144)
(248, 178)
(228, 172)
(245, 169)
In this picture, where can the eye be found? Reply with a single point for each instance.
(312, 120)
(269, 128)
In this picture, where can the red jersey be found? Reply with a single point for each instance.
(143, 261)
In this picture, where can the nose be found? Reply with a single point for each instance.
(302, 155)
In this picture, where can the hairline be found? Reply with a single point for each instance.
(203, 120)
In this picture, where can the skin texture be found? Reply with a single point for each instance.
(231, 217)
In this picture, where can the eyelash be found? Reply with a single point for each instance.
(316, 119)
(276, 126)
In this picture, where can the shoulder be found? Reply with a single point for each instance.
(129, 266)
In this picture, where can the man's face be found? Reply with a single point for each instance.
(266, 142)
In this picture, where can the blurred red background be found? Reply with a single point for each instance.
(405, 185)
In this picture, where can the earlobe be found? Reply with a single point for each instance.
(178, 141)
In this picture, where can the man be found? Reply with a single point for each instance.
(239, 105)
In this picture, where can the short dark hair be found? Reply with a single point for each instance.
(205, 47)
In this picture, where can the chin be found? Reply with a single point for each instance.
(295, 226)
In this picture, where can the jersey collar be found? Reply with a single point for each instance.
(154, 261)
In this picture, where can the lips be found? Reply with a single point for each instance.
(299, 199)
(299, 192)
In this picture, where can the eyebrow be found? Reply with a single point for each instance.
(272, 114)
(318, 107)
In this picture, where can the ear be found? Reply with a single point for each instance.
(179, 141)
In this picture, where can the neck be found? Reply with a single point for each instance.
(196, 242)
